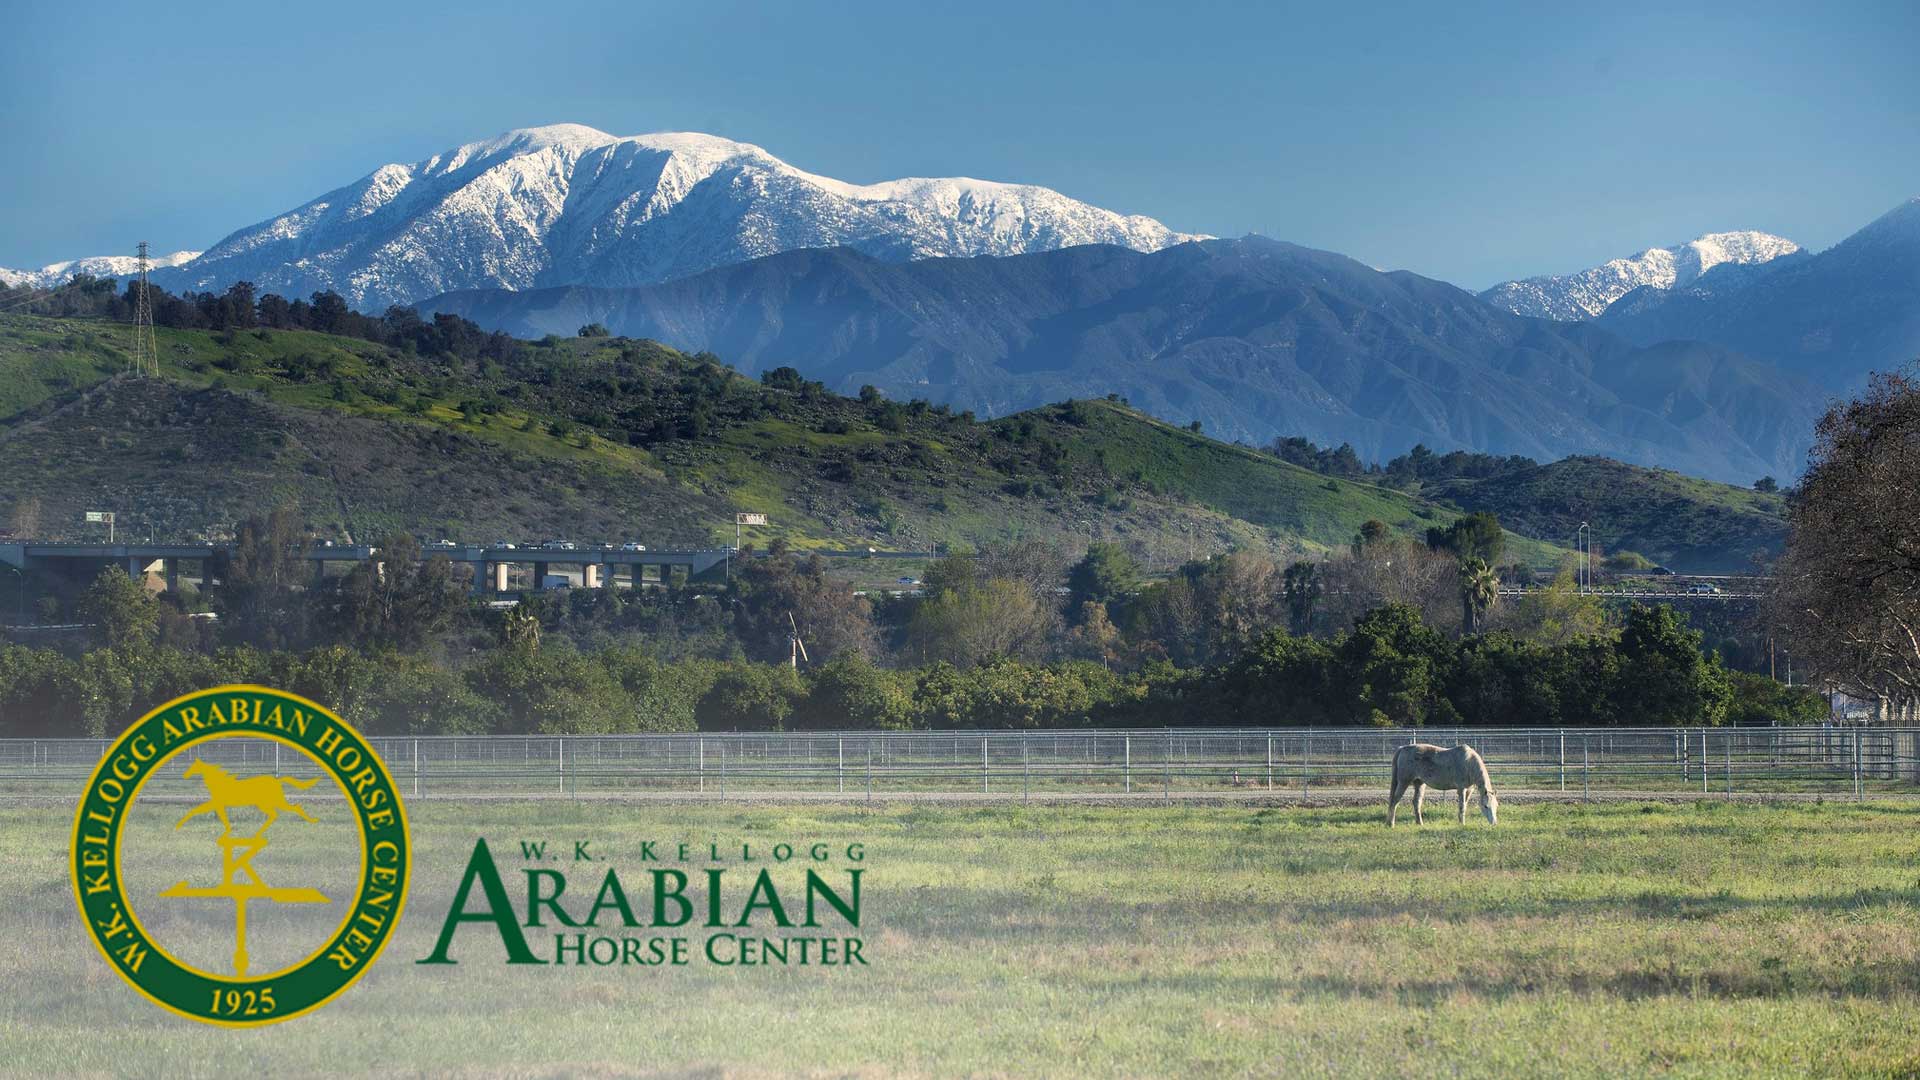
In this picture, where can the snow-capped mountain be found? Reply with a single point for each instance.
(1584, 295)
(568, 205)
(113, 266)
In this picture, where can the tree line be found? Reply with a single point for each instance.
(1387, 633)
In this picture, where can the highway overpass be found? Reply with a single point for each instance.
(491, 566)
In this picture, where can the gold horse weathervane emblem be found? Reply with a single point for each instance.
(239, 880)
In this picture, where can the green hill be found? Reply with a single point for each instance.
(609, 439)
(1684, 522)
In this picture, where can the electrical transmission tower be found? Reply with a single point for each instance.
(146, 351)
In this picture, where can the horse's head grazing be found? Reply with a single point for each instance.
(1490, 806)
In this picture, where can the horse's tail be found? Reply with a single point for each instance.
(301, 784)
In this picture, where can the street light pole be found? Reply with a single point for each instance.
(1582, 542)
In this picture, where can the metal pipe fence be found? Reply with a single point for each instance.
(1855, 762)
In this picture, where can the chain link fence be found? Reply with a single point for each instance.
(1853, 762)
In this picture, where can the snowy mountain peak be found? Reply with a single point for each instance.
(100, 266)
(1584, 295)
(568, 204)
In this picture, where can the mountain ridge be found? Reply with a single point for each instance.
(1831, 317)
(1256, 338)
(567, 204)
(1585, 294)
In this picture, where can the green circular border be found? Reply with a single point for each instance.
(186, 991)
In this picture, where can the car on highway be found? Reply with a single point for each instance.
(559, 545)
(631, 546)
(1660, 571)
(502, 545)
(1702, 589)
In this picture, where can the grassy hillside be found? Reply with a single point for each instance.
(1684, 522)
(610, 439)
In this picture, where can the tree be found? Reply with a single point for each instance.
(964, 627)
(262, 599)
(1476, 536)
(1387, 667)
(850, 692)
(1302, 587)
(1107, 573)
(400, 600)
(1556, 614)
(119, 609)
(1479, 591)
(767, 592)
(1664, 679)
(1766, 484)
(595, 330)
(1847, 588)
(1373, 531)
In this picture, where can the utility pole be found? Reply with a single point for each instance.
(145, 359)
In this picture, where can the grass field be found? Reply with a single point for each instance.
(1690, 939)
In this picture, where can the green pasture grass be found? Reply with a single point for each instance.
(1689, 939)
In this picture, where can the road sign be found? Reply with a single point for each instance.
(99, 517)
(749, 519)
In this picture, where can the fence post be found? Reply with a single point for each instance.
(1166, 767)
(983, 764)
(1703, 761)
(1304, 740)
(723, 768)
(1729, 764)
(1269, 761)
(1026, 771)
(276, 758)
(1856, 764)
(416, 767)
(1126, 761)
(1586, 772)
(1563, 762)
(700, 748)
(869, 768)
(841, 769)
(560, 756)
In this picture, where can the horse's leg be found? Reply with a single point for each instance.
(226, 825)
(1419, 801)
(272, 816)
(1393, 799)
(1463, 804)
(295, 807)
(194, 813)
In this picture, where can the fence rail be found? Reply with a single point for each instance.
(1841, 761)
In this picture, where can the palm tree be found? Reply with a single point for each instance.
(1479, 590)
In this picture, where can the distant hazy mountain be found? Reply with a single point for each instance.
(113, 266)
(1254, 338)
(1832, 317)
(1583, 295)
(570, 205)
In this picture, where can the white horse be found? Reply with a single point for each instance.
(1424, 765)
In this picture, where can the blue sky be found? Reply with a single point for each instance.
(1467, 142)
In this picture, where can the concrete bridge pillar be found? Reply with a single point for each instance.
(173, 576)
(497, 576)
(539, 576)
(591, 574)
(134, 569)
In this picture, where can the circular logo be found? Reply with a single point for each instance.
(247, 778)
